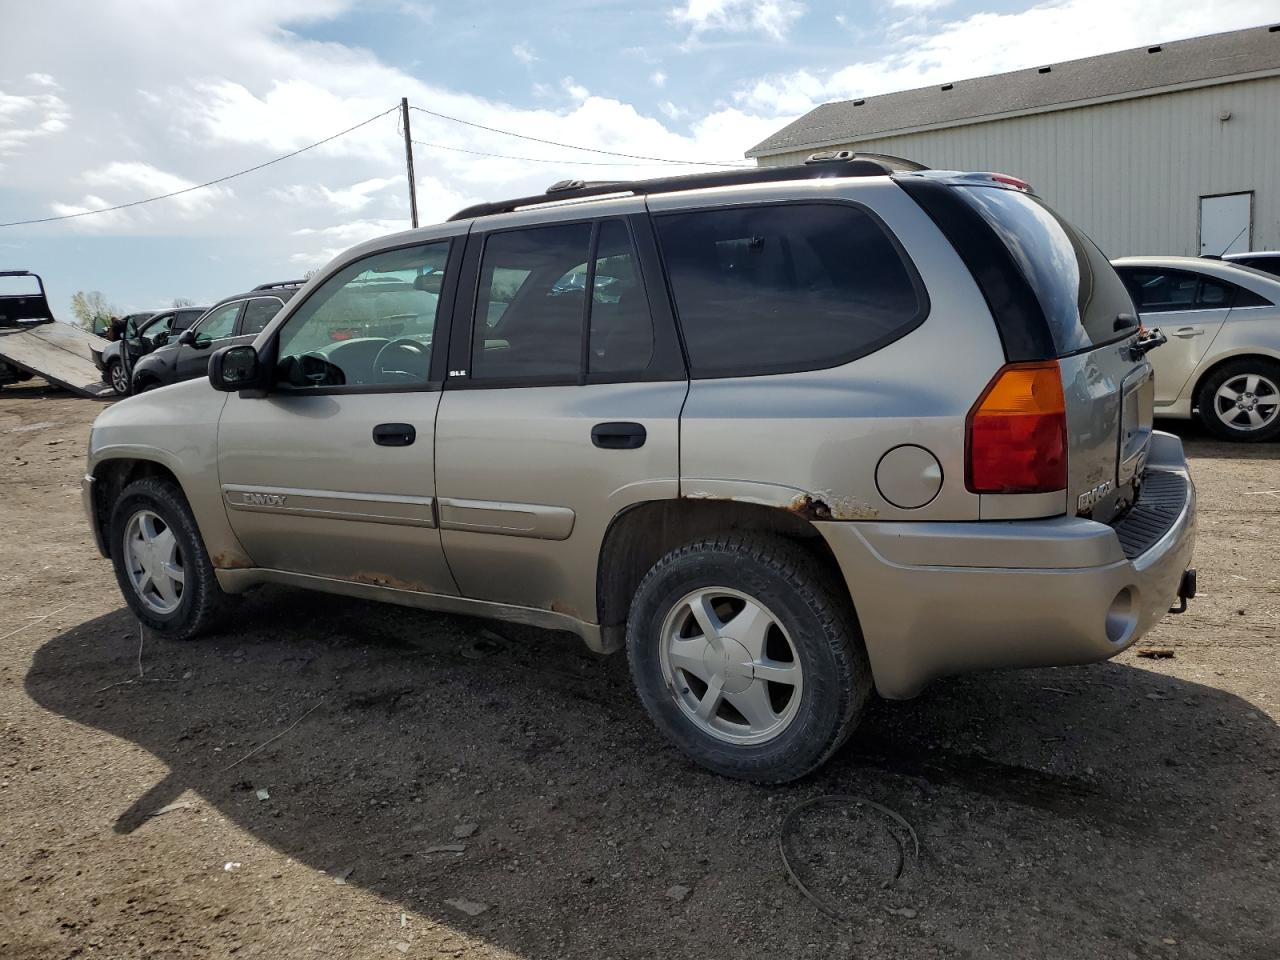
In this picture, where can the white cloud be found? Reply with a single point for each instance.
(658, 79)
(575, 90)
(524, 53)
(987, 43)
(206, 96)
(98, 223)
(773, 18)
(345, 200)
(919, 5)
(136, 181)
(24, 119)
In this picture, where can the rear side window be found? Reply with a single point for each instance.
(1083, 299)
(535, 321)
(786, 287)
(1161, 291)
(185, 318)
(1269, 265)
(257, 313)
(1167, 291)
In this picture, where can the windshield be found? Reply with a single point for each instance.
(1084, 301)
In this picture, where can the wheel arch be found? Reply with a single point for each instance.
(116, 470)
(642, 533)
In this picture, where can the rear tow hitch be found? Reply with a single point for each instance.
(1186, 590)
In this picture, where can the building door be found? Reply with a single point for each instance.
(1226, 224)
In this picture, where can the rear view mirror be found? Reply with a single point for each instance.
(429, 282)
(188, 338)
(234, 368)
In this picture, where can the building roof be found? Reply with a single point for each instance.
(1058, 86)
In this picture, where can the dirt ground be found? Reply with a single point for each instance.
(1125, 809)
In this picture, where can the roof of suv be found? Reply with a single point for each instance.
(284, 289)
(835, 163)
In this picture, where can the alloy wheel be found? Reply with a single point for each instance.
(1247, 402)
(153, 561)
(731, 666)
(119, 379)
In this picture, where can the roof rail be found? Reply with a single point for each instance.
(278, 283)
(840, 163)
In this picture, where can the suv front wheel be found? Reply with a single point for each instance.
(747, 656)
(160, 561)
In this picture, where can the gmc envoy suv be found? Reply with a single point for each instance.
(788, 435)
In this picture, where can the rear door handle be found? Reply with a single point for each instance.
(618, 436)
(394, 434)
(1186, 333)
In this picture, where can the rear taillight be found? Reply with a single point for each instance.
(1016, 434)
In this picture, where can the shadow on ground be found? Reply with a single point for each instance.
(1097, 811)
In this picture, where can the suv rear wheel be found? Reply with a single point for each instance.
(1241, 400)
(748, 657)
(160, 561)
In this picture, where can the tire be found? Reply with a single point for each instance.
(157, 506)
(118, 378)
(811, 627)
(143, 385)
(1248, 409)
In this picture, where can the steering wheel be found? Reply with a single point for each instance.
(412, 350)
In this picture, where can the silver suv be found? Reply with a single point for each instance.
(787, 435)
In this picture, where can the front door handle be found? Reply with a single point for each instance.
(618, 436)
(394, 434)
(1186, 333)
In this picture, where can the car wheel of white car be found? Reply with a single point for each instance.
(1241, 400)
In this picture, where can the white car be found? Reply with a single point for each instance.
(1222, 359)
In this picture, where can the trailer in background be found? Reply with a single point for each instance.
(33, 343)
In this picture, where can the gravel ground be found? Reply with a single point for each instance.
(443, 787)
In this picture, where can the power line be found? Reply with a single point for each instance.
(571, 146)
(201, 186)
(576, 163)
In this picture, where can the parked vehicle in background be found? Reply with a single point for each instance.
(235, 319)
(1268, 261)
(828, 427)
(1222, 359)
(117, 360)
(22, 304)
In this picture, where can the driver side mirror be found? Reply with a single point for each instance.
(234, 368)
(188, 338)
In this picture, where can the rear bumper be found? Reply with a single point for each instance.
(941, 598)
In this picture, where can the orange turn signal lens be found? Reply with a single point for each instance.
(1016, 434)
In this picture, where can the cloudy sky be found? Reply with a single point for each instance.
(107, 102)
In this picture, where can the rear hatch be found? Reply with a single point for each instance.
(1055, 297)
(1107, 382)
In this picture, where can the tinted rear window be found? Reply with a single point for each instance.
(1269, 265)
(786, 287)
(1083, 299)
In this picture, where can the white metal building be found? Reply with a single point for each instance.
(1168, 149)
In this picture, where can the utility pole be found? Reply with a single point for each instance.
(408, 161)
